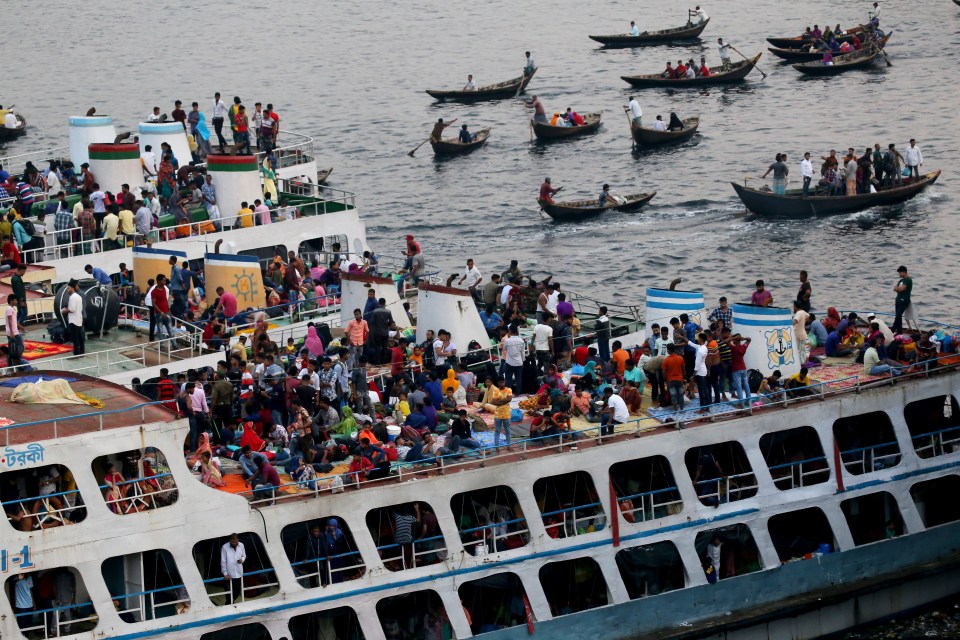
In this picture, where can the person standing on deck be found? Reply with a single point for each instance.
(780, 173)
(547, 191)
(636, 113)
(14, 331)
(803, 295)
(724, 54)
(914, 159)
(806, 172)
(761, 297)
(850, 172)
(539, 114)
(471, 277)
(20, 291)
(903, 288)
(800, 319)
(74, 313)
(529, 66)
(232, 556)
(219, 113)
(438, 128)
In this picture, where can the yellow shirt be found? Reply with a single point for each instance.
(502, 411)
(246, 217)
(801, 381)
(126, 222)
(403, 407)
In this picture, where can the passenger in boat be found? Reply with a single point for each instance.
(465, 136)
(704, 70)
(780, 173)
(680, 70)
(634, 29)
(471, 85)
(676, 124)
(669, 73)
(659, 124)
(573, 118)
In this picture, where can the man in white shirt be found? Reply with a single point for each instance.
(514, 349)
(219, 113)
(74, 314)
(471, 277)
(659, 124)
(471, 85)
(634, 29)
(443, 348)
(148, 162)
(614, 412)
(10, 121)
(883, 326)
(636, 113)
(543, 342)
(724, 54)
(14, 332)
(699, 369)
(914, 159)
(699, 14)
(806, 170)
(148, 301)
(553, 298)
(155, 116)
(800, 319)
(54, 185)
(232, 556)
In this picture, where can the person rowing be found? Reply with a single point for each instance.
(539, 115)
(547, 191)
(528, 68)
(698, 13)
(438, 128)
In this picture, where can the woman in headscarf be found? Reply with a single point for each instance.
(269, 178)
(210, 473)
(676, 124)
(203, 137)
(335, 546)
(589, 378)
(259, 328)
(631, 397)
(313, 343)
(348, 424)
(165, 177)
(450, 382)
(832, 320)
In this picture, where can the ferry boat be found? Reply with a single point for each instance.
(830, 509)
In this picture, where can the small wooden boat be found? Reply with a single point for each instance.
(809, 54)
(648, 136)
(737, 71)
(621, 41)
(323, 174)
(7, 134)
(453, 146)
(795, 204)
(544, 131)
(799, 41)
(506, 89)
(843, 62)
(581, 209)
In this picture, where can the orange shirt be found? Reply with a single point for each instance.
(620, 357)
(672, 368)
(502, 411)
(357, 331)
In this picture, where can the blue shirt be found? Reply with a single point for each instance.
(435, 392)
(176, 278)
(465, 136)
(430, 413)
(249, 465)
(416, 420)
(820, 331)
(490, 322)
(20, 235)
(23, 598)
(833, 341)
(691, 330)
(369, 308)
(101, 276)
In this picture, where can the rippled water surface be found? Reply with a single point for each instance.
(353, 74)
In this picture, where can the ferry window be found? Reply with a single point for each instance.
(799, 535)
(265, 255)
(721, 473)
(573, 585)
(41, 497)
(310, 249)
(727, 552)
(795, 458)
(867, 442)
(646, 489)
(936, 500)
(872, 517)
(340, 239)
(252, 631)
(652, 569)
(322, 552)
(490, 520)
(145, 586)
(569, 504)
(341, 622)
(407, 535)
(934, 425)
(414, 615)
(243, 558)
(494, 602)
(135, 481)
(66, 609)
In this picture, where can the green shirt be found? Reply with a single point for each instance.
(634, 375)
(16, 283)
(904, 296)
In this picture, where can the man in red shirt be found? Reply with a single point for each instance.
(11, 255)
(166, 391)
(161, 305)
(741, 377)
(547, 191)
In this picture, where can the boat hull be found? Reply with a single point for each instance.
(547, 132)
(452, 147)
(623, 41)
(738, 71)
(12, 134)
(650, 137)
(797, 42)
(796, 205)
(795, 55)
(499, 91)
(573, 212)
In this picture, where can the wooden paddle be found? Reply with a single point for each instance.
(520, 86)
(748, 59)
(876, 43)
(626, 111)
(428, 139)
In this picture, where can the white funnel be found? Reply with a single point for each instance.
(663, 304)
(353, 295)
(772, 345)
(450, 309)
(116, 164)
(153, 133)
(237, 179)
(85, 130)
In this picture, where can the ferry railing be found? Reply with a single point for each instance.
(442, 549)
(143, 497)
(569, 521)
(490, 537)
(16, 164)
(643, 506)
(794, 474)
(332, 307)
(98, 416)
(46, 513)
(727, 487)
(325, 569)
(871, 458)
(56, 621)
(938, 444)
(228, 594)
(147, 601)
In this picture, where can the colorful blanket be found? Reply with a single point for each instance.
(33, 350)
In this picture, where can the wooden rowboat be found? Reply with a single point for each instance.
(544, 131)
(647, 136)
(453, 146)
(841, 63)
(624, 40)
(795, 204)
(506, 89)
(582, 209)
(13, 132)
(799, 41)
(810, 54)
(737, 71)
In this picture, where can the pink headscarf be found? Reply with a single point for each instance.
(313, 343)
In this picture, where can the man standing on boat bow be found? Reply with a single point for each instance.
(636, 113)
(438, 129)
(547, 191)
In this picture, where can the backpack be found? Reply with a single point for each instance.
(754, 380)
(27, 226)
(57, 333)
(888, 164)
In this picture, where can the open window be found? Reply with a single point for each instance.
(651, 569)
(251, 631)
(721, 473)
(322, 552)
(727, 552)
(235, 568)
(134, 481)
(490, 520)
(799, 535)
(936, 500)
(872, 517)
(569, 504)
(867, 442)
(66, 609)
(934, 425)
(407, 535)
(573, 585)
(145, 586)
(795, 458)
(414, 615)
(494, 602)
(40, 497)
(340, 623)
(646, 489)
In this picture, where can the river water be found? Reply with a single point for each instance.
(352, 73)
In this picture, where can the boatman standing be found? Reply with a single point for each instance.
(806, 171)
(636, 113)
(699, 14)
(874, 14)
(914, 159)
(539, 115)
(438, 129)
(724, 54)
(528, 68)
(547, 191)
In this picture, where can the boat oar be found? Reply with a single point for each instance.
(876, 43)
(626, 111)
(520, 86)
(748, 60)
(418, 146)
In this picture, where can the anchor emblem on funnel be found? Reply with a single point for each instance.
(779, 348)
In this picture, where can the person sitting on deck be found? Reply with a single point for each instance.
(769, 390)
(659, 124)
(547, 191)
(799, 384)
(875, 365)
(634, 29)
(676, 124)
(471, 85)
(669, 73)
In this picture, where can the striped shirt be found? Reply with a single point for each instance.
(403, 528)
